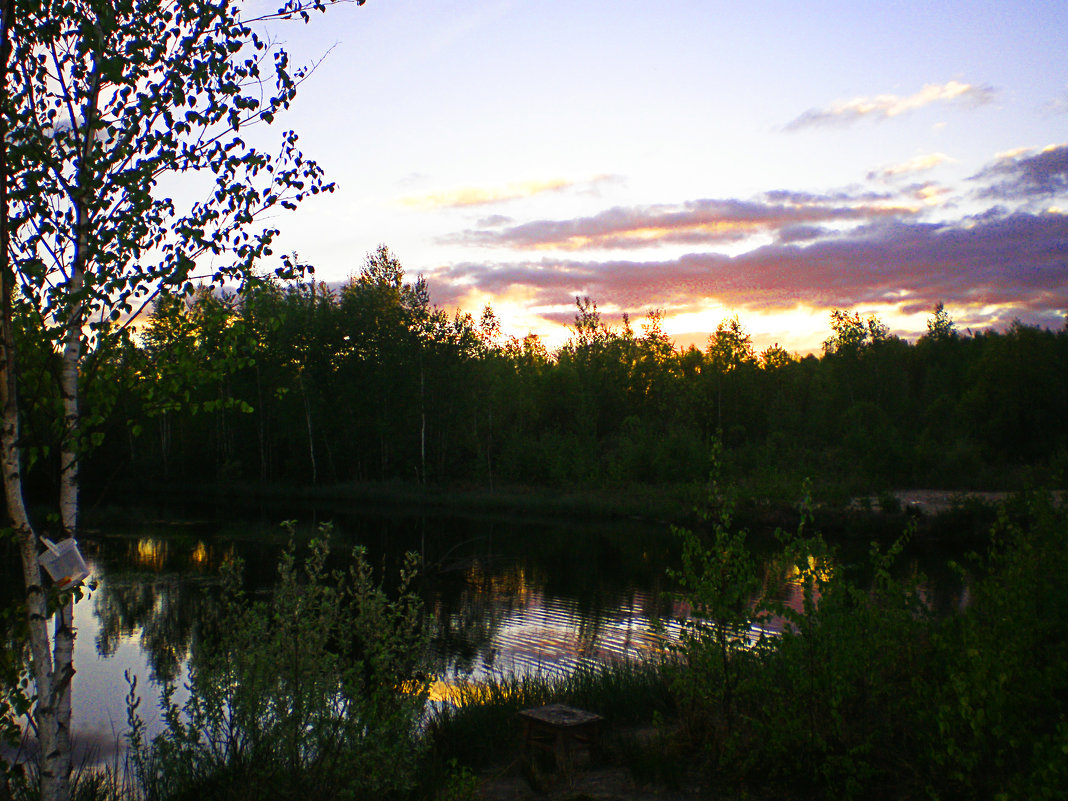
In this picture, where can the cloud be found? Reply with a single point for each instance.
(800, 233)
(905, 168)
(1026, 174)
(706, 221)
(1059, 105)
(929, 193)
(494, 220)
(994, 259)
(483, 196)
(883, 107)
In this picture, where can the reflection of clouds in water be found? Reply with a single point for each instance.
(467, 623)
(504, 621)
(539, 634)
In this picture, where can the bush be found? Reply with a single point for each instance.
(997, 725)
(320, 689)
(834, 703)
(866, 694)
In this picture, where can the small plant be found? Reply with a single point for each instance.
(460, 783)
(723, 632)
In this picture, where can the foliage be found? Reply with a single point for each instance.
(940, 327)
(373, 383)
(102, 105)
(322, 686)
(730, 346)
(866, 695)
(105, 102)
(997, 724)
(852, 335)
(723, 632)
(15, 692)
(137, 89)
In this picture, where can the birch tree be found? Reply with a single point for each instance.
(108, 109)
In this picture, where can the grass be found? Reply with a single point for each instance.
(481, 727)
(478, 728)
(89, 781)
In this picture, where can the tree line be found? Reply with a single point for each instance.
(302, 384)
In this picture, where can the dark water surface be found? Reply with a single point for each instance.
(505, 595)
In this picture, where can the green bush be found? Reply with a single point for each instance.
(866, 694)
(997, 725)
(715, 651)
(320, 689)
(833, 705)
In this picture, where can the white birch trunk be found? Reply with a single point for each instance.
(63, 643)
(53, 770)
(54, 759)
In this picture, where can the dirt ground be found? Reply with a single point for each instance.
(592, 783)
(593, 777)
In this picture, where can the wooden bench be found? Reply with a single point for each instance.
(560, 732)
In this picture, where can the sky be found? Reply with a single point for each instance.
(770, 160)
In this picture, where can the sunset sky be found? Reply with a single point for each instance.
(772, 160)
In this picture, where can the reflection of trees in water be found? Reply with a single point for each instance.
(550, 586)
(160, 607)
(468, 608)
(160, 611)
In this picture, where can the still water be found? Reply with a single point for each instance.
(504, 596)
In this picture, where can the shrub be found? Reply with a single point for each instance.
(319, 689)
(866, 694)
(722, 640)
(997, 725)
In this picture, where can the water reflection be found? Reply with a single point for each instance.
(156, 611)
(160, 554)
(506, 621)
(151, 590)
(512, 598)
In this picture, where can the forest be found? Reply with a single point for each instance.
(300, 384)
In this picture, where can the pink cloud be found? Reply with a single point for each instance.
(1018, 260)
(706, 221)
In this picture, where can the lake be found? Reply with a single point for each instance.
(504, 595)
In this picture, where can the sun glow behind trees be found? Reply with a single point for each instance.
(372, 382)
